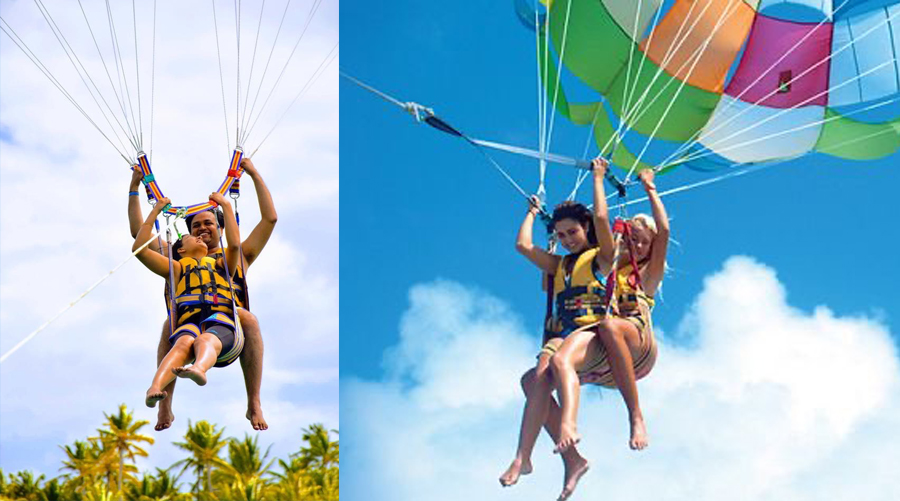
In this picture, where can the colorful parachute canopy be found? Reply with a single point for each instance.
(727, 81)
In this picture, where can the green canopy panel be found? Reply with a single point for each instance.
(853, 140)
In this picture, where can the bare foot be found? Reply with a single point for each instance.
(639, 438)
(574, 471)
(164, 418)
(192, 373)
(255, 416)
(154, 395)
(517, 468)
(567, 438)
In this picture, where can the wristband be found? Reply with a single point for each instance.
(133, 193)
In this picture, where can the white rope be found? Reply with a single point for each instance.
(7, 29)
(705, 45)
(79, 298)
(762, 74)
(137, 70)
(76, 64)
(312, 79)
(697, 156)
(252, 66)
(112, 85)
(268, 60)
(786, 110)
(221, 78)
(811, 68)
(636, 111)
(313, 10)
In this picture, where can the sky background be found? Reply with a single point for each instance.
(778, 321)
(63, 195)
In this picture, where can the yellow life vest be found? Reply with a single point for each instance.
(238, 280)
(628, 290)
(203, 289)
(580, 293)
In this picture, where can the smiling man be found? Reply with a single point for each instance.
(207, 226)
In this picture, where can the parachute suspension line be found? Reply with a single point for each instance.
(171, 289)
(221, 77)
(636, 112)
(628, 108)
(423, 114)
(632, 107)
(719, 24)
(120, 65)
(76, 64)
(549, 136)
(137, 69)
(686, 146)
(581, 176)
(235, 192)
(252, 66)
(268, 60)
(313, 10)
(628, 114)
(237, 104)
(631, 54)
(544, 91)
(811, 68)
(43, 326)
(7, 29)
(111, 84)
(541, 96)
(786, 110)
(697, 156)
(152, 80)
(309, 83)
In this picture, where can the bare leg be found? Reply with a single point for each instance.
(251, 365)
(165, 417)
(571, 355)
(206, 349)
(177, 356)
(620, 337)
(541, 408)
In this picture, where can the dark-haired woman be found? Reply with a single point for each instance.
(584, 344)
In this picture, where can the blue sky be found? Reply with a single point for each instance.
(427, 219)
(63, 225)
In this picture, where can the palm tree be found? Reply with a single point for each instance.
(24, 486)
(121, 435)
(204, 442)
(321, 452)
(242, 478)
(159, 487)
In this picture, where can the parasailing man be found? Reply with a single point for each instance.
(207, 225)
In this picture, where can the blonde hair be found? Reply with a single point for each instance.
(645, 221)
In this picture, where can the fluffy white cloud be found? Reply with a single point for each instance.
(770, 402)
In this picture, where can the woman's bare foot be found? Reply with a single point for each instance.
(154, 395)
(575, 469)
(165, 417)
(567, 438)
(516, 469)
(639, 438)
(255, 415)
(192, 373)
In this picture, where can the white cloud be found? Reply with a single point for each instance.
(769, 403)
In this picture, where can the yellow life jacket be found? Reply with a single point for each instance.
(628, 290)
(203, 289)
(238, 280)
(580, 293)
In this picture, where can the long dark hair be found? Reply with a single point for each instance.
(577, 212)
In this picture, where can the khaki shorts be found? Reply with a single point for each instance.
(598, 371)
